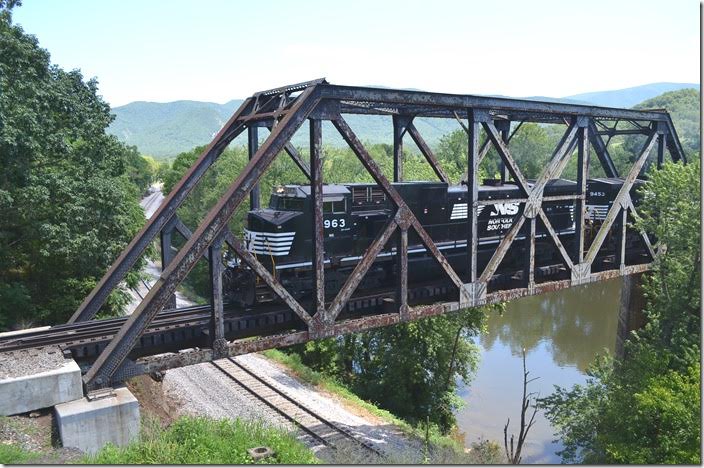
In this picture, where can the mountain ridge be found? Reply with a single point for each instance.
(164, 130)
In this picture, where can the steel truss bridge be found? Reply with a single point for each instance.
(157, 336)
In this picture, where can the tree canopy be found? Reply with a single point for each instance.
(68, 207)
(645, 407)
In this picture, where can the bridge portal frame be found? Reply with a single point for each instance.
(283, 111)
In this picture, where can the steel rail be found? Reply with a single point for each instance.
(296, 404)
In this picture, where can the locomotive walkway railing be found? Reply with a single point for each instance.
(283, 111)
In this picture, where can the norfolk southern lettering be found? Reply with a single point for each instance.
(280, 236)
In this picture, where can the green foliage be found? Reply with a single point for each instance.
(66, 203)
(11, 454)
(684, 107)
(332, 385)
(404, 368)
(646, 408)
(202, 441)
(142, 171)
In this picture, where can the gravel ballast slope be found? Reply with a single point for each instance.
(203, 390)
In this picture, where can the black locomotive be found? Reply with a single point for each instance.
(280, 236)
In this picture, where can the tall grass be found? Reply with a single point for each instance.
(200, 440)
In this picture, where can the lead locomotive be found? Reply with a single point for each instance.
(280, 236)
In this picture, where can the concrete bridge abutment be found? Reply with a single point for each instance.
(34, 379)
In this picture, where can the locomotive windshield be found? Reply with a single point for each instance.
(284, 203)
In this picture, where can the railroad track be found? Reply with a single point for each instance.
(312, 423)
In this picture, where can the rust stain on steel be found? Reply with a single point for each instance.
(428, 153)
(134, 250)
(121, 345)
(402, 271)
(316, 165)
(620, 198)
(579, 212)
(360, 270)
(473, 193)
(502, 249)
(268, 278)
(244, 346)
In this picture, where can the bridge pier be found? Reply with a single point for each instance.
(630, 314)
(107, 416)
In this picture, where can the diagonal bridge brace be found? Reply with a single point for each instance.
(622, 200)
(249, 110)
(121, 345)
(404, 219)
(533, 202)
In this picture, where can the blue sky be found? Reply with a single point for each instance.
(217, 50)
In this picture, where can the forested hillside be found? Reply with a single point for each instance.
(164, 130)
(629, 97)
(684, 107)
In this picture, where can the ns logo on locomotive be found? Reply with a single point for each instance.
(281, 237)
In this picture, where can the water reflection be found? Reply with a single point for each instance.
(562, 332)
(574, 321)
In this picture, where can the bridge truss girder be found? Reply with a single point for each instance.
(283, 111)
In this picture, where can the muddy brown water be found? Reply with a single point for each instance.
(562, 333)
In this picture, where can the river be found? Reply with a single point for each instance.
(562, 332)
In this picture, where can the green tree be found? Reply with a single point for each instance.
(646, 407)
(410, 369)
(66, 203)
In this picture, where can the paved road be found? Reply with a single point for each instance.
(150, 204)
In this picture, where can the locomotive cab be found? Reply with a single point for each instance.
(284, 229)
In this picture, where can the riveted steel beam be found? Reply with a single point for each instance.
(216, 220)
(427, 153)
(620, 199)
(450, 102)
(134, 250)
(217, 322)
(166, 244)
(400, 123)
(316, 190)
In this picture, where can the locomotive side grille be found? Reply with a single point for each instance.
(597, 212)
(269, 243)
(459, 211)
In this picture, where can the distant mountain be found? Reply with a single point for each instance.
(165, 129)
(629, 97)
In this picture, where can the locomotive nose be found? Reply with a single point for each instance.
(270, 232)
